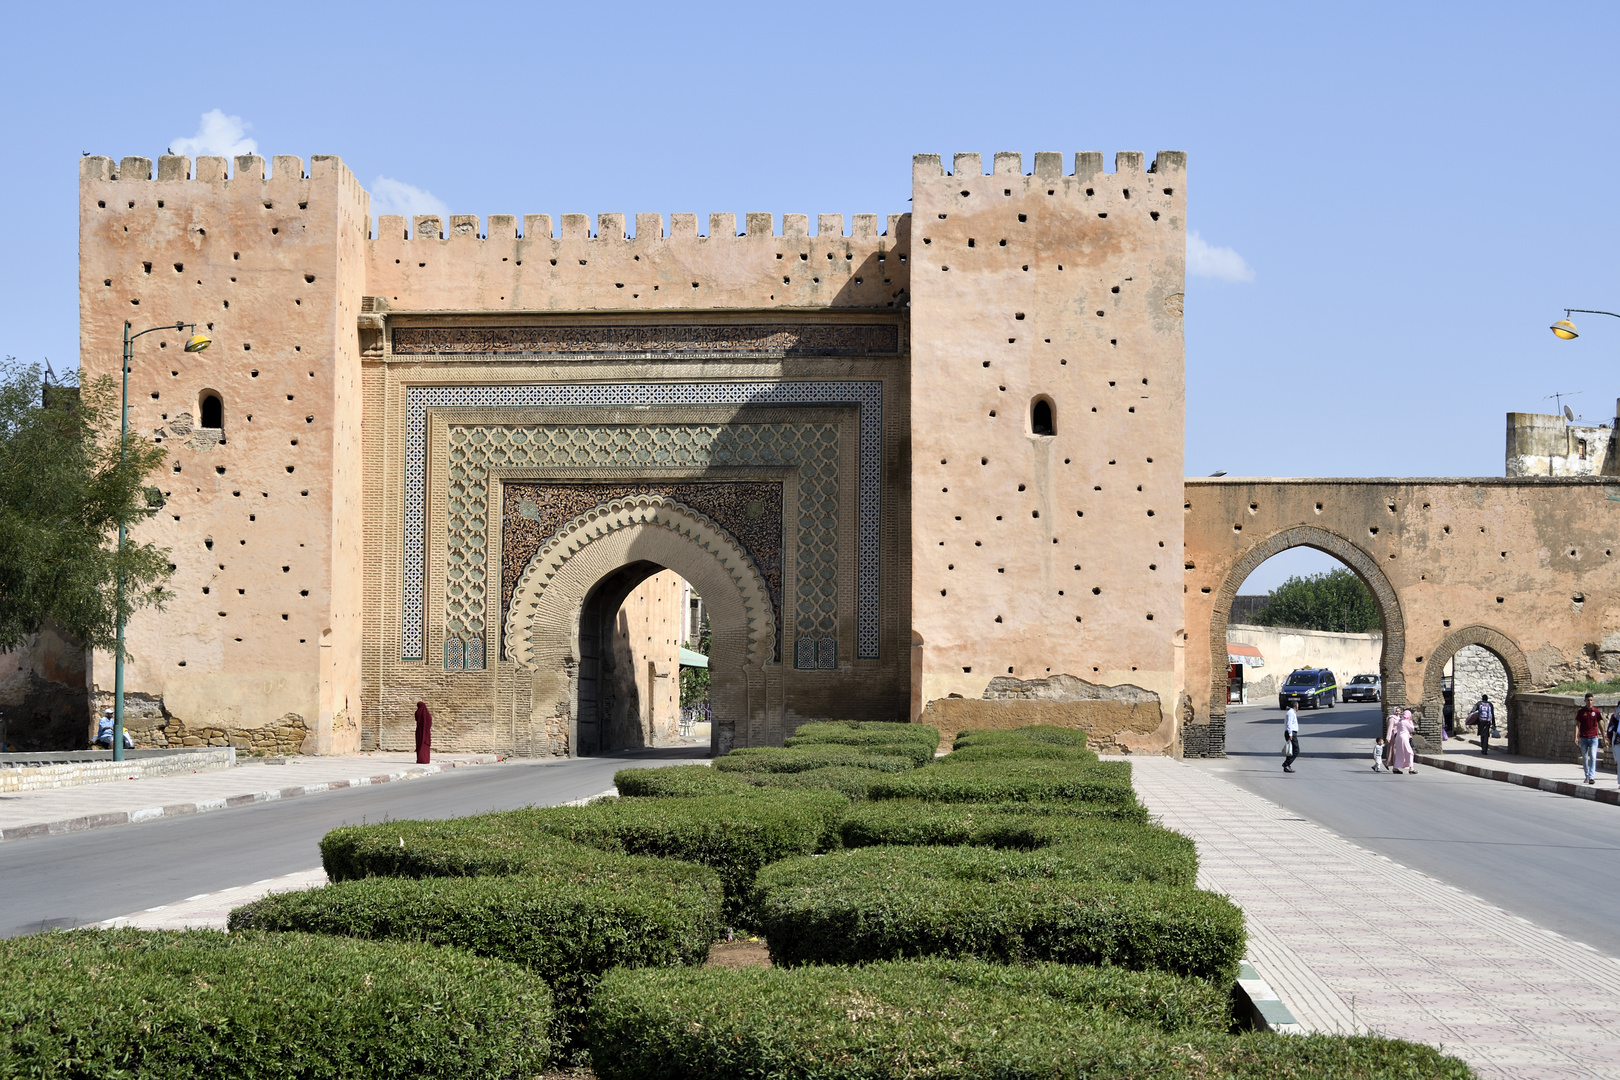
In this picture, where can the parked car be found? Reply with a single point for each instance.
(1309, 688)
(1361, 688)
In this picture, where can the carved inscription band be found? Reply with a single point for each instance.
(774, 339)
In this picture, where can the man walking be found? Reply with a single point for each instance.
(1484, 715)
(1290, 738)
(1589, 732)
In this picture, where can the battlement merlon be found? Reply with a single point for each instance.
(1166, 169)
(682, 227)
(245, 176)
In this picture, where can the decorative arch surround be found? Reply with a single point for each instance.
(1364, 566)
(645, 528)
(1506, 650)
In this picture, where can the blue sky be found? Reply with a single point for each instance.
(1399, 197)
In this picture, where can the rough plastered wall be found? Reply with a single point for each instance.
(1526, 568)
(1035, 555)
(645, 658)
(467, 273)
(259, 646)
(43, 700)
(1542, 445)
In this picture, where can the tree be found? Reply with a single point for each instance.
(1337, 602)
(64, 491)
(695, 680)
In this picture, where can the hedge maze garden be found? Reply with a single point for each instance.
(1007, 910)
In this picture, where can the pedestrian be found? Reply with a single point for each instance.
(1290, 738)
(1400, 756)
(1390, 724)
(1614, 733)
(1589, 733)
(1378, 754)
(1483, 715)
(424, 733)
(104, 732)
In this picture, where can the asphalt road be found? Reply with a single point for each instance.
(63, 881)
(1551, 859)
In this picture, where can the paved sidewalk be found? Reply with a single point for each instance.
(1352, 941)
(52, 811)
(1559, 777)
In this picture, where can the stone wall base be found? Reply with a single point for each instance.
(1111, 727)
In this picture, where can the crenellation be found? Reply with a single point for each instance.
(684, 227)
(829, 225)
(135, 168)
(610, 227)
(95, 167)
(464, 227)
(1168, 161)
(967, 165)
(926, 167)
(759, 224)
(248, 167)
(502, 227)
(723, 225)
(795, 226)
(392, 225)
(426, 227)
(174, 167)
(864, 227)
(651, 226)
(1128, 161)
(537, 227)
(1009, 163)
(287, 167)
(210, 170)
(576, 226)
(1087, 165)
(1048, 165)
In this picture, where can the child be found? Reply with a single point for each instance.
(1378, 754)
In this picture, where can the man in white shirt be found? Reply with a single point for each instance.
(1290, 738)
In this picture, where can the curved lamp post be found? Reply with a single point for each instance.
(194, 344)
(1565, 330)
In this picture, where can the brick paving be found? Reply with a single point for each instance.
(1353, 941)
(52, 811)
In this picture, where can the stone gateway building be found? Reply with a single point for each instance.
(922, 466)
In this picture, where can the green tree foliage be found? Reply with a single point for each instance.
(64, 491)
(1337, 602)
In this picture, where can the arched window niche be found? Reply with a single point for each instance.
(210, 410)
(1042, 417)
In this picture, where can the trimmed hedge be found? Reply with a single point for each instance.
(955, 1021)
(1011, 907)
(903, 823)
(1014, 781)
(569, 932)
(1016, 751)
(687, 781)
(870, 733)
(734, 834)
(144, 1004)
(1048, 734)
(887, 757)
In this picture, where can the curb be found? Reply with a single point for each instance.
(1558, 787)
(1265, 1009)
(204, 806)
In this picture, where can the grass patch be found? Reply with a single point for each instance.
(957, 1020)
(1586, 686)
(138, 1004)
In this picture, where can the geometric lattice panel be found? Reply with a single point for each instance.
(867, 396)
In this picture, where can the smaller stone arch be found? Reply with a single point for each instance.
(1359, 561)
(1506, 650)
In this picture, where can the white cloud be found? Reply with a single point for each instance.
(1220, 263)
(217, 135)
(397, 197)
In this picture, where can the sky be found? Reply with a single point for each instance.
(1388, 203)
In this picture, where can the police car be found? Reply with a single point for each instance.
(1308, 688)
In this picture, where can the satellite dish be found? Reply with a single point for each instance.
(1568, 415)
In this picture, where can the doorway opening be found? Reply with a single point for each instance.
(635, 646)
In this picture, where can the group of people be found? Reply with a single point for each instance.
(1393, 749)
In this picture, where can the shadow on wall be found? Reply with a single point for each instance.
(44, 703)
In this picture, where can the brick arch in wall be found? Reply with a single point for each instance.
(610, 549)
(1505, 650)
(1359, 561)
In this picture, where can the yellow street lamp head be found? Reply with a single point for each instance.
(1564, 329)
(199, 342)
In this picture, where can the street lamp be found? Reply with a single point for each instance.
(195, 344)
(1565, 330)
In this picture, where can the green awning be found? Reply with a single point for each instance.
(693, 659)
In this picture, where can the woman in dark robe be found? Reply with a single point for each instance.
(424, 733)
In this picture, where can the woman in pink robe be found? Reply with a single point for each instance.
(1401, 741)
(424, 733)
